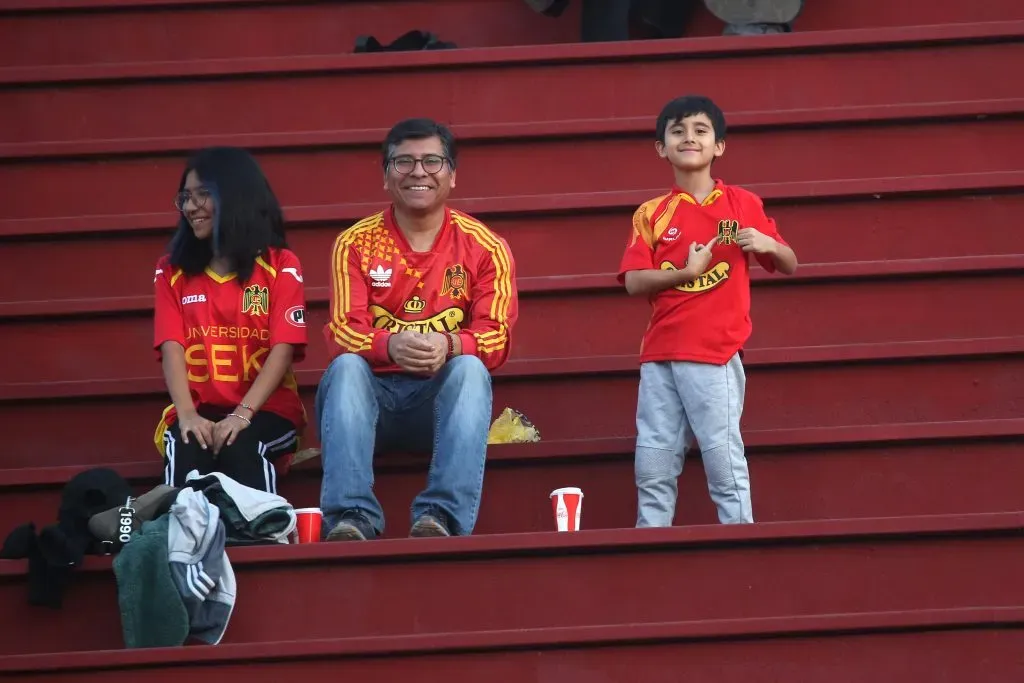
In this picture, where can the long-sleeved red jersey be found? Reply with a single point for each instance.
(464, 285)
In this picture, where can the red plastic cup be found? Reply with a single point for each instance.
(567, 504)
(307, 524)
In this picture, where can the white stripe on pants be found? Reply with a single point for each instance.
(169, 458)
(680, 402)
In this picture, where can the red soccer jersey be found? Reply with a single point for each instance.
(379, 286)
(706, 320)
(228, 328)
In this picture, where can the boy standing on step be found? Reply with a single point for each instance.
(688, 253)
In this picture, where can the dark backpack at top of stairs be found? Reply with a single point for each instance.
(407, 42)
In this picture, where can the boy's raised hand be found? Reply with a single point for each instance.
(753, 240)
(700, 255)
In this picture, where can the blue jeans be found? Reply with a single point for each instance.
(361, 413)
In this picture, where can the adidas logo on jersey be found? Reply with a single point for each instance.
(381, 276)
(193, 299)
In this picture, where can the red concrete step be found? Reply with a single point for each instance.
(541, 230)
(510, 207)
(139, 32)
(785, 569)
(977, 644)
(99, 31)
(814, 146)
(837, 473)
(216, 98)
(839, 304)
(792, 388)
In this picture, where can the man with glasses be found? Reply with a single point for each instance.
(422, 305)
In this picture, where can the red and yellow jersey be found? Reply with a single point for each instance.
(227, 329)
(379, 286)
(706, 320)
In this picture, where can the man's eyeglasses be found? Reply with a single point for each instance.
(198, 197)
(431, 163)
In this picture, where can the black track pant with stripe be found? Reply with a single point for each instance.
(249, 460)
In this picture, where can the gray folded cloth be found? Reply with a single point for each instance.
(755, 11)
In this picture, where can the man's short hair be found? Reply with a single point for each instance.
(419, 129)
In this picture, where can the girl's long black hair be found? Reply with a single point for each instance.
(248, 217)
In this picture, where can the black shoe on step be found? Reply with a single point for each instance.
(434, 523)
(353, 526)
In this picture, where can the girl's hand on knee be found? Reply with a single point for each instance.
(226, 431)
(198, 426)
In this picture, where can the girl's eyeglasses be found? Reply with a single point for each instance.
(199, 198)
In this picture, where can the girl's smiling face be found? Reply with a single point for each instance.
(197, 205)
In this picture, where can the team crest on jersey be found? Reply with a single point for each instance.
(455, 282)
(255, 300)
(727, 230)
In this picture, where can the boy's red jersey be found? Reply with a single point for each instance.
(379, 286)
(227, 329)
(706, 320)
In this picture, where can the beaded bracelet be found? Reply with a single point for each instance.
(240, 417)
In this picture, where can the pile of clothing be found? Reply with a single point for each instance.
(55, 550)
(174, 578)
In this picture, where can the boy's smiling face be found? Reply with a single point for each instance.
(690, 143)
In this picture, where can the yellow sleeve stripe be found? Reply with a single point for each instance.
(642, 227)
(266, 266)
(502, 267)
(494, 347)
(661, 224)
(344, 335)
(492, 340)
(349, 339)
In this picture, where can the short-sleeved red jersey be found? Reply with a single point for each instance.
(379, 286)
(227, 329)
(706, 320)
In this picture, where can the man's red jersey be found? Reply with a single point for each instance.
(227, 329)
(464, 285)
(706, 320)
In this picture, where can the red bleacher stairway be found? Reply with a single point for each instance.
(885, 410)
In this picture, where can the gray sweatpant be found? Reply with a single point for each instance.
(681, 402)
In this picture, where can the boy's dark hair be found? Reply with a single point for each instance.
(248, 216)
(690, 105)
(419, 129)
